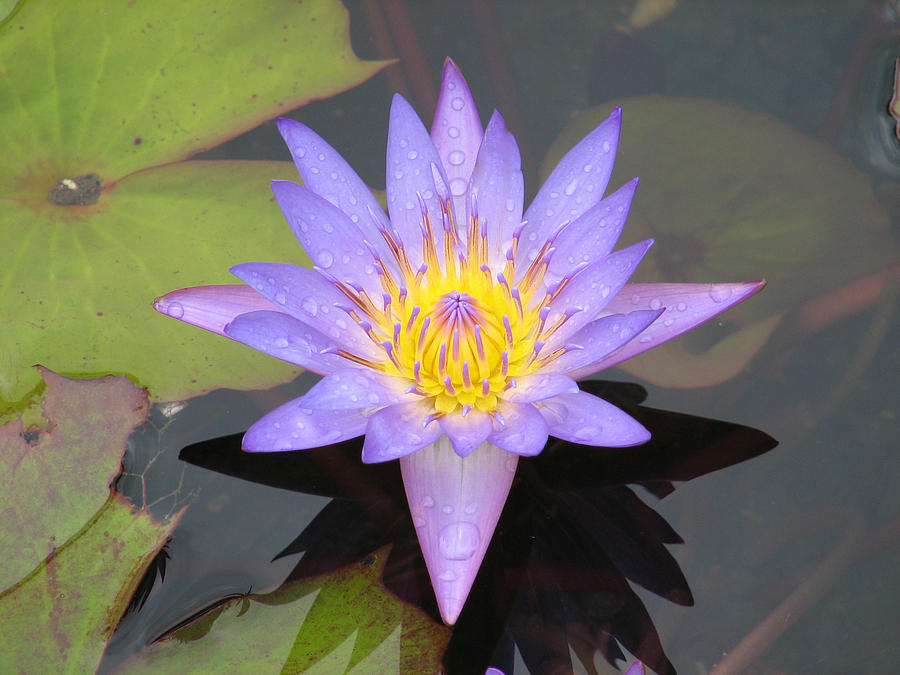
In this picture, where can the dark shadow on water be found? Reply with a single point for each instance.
(571, 538)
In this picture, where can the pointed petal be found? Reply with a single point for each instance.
(525, 431)
(329, 237)
(455, 503)
(602, 337)
(397, 431)
(326, 173)
(411, 165)
(574, 186)
(586, 419)
(456, 132)
(593, 234)
(538, 386)
(466, 433)
(686, 306)
(286, 338)
(211, 307)
(356, 388)
(498, 186)
(591, 290)
(636, 668)
(293, 427)
(307, 295)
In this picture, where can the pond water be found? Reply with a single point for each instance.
(762, 137)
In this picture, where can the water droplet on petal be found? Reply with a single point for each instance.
(457, 103)
(309, 305)
(447, 575)
(456, 157)
(280, 298)
(681, 306)
(299, 152)
(281, 343)
(605, 146)
(471, 508)
(655, 303)
(571, 187)
(458, 541)
(427, 502)
(447, 509)
(720, 293)
(326, 258)
(175, 310)
(412, 154)
(418, 521)
(453, 132)
(458, 187)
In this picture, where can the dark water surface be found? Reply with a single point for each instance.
(791, 554)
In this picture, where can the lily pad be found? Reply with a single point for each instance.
(60, 618)
(730, 195)
(348, 623)
(57, 479)
(91, 100)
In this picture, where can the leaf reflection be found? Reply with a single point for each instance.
(573, 534)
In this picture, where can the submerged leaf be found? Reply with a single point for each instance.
(734, 194)
(98, 98)
(347, 620)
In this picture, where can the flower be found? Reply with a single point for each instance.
(450, 334)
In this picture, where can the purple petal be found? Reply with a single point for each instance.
(308, 296)
(329, 237)
(456, 132)
(293, 427)
(538, 386)
(211, 307)
(466, 433)
(284, 337)
(455, 503)
(498, 185)
(326, 173)
(686, 306)
(602, 337)
(397, 431)
(411, 165)
(591, 290)
(593, 234)
(525, 431)
(586, 419)
(636, 668)
(574, 186)
(356, 388)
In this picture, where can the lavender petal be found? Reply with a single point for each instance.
(586, 419)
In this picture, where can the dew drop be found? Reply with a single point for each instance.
(588, 168)
(299, 152)
(720, 293)
(571, 187)
(281, 343)
(510, 204)
(310, 306)
(458, 187)
(280, 298)
(175, 310)
(456, 157)
(427, 502)
(326, 259)
(447, 575)
(605, 146)
(655, 303)
(419, 521)
(447, 509)
(453, 132)
(459, 541)
(457, 103)
(471, 508)
(681, 306)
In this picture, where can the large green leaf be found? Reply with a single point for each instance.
(121, 89)
(347, 621)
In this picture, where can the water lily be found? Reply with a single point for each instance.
(451, 332)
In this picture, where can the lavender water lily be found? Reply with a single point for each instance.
(450, 331)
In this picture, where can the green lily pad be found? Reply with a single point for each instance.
(91, 100)
(348, 623)
(58, 478)
(735, 195)
(60, 618)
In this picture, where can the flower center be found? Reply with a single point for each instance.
(458, 330)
